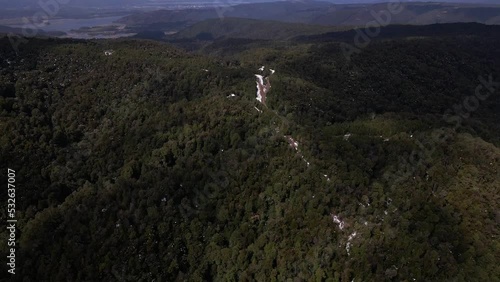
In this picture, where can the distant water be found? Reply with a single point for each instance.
(66, 25)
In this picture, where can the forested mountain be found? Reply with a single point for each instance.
(405, 31)
(137, 161)
(251, 29)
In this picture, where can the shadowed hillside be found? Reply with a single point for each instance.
(251, 29)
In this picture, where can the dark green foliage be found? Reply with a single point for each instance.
(137, 167)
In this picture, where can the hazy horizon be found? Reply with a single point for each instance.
(6, 4)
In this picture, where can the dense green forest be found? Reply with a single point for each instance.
(158, 164)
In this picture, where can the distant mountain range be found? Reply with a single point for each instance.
(236, 21)
(323, 13)
(416, 1)
(8, 30)
(212, 29)
(138, 3)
